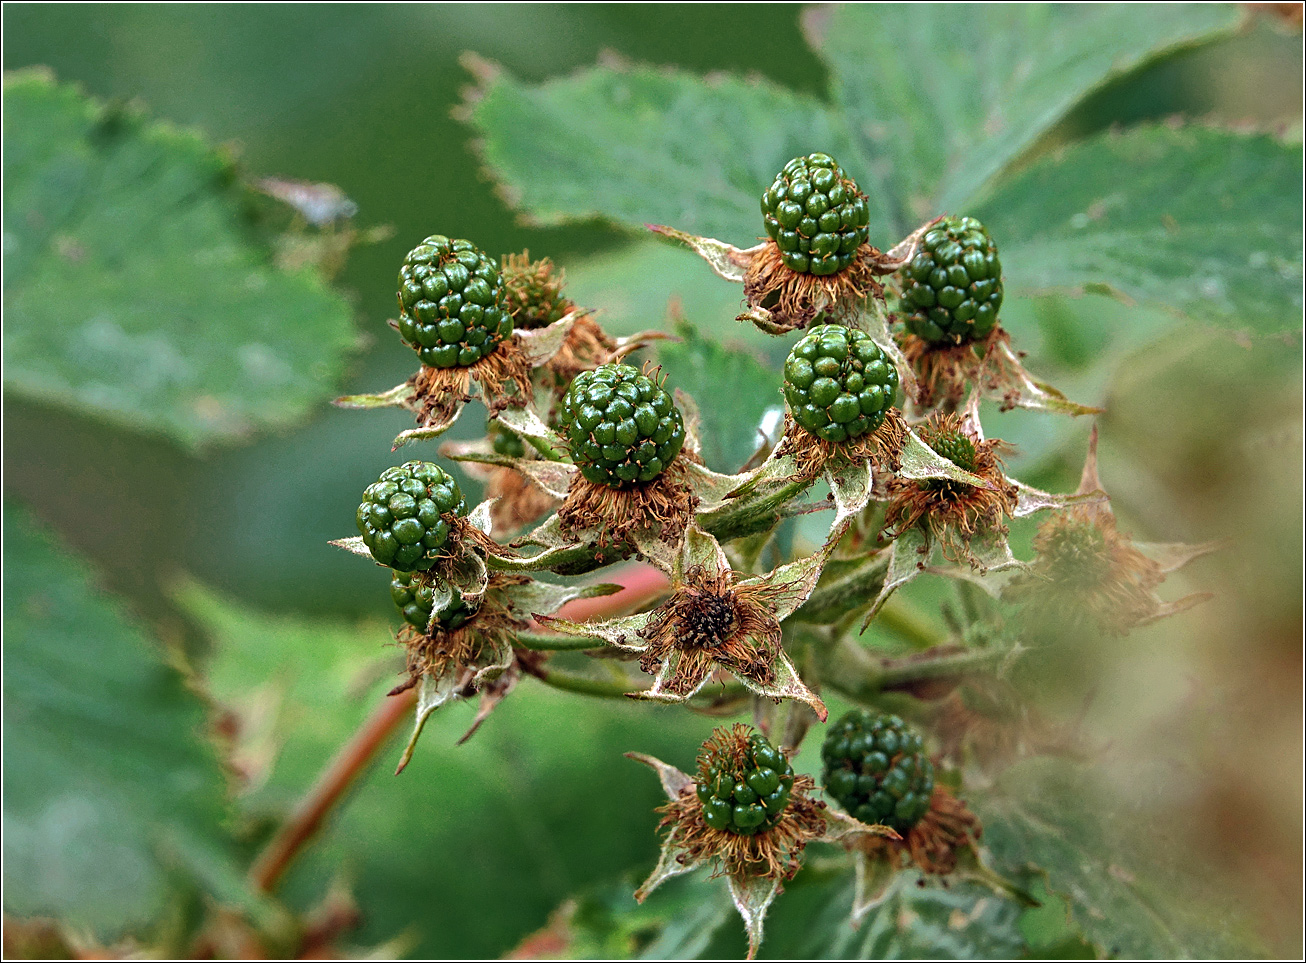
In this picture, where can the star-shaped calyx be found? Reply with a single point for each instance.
(715, 619)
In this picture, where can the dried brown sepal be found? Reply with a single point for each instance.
(774, 853)
(944, 372)
(437, 653)
(794, 300)
(713, 621)
(612, 516)
(811, 454)
(439, 392)
(934, 844)
(518, 500)
(953, 512)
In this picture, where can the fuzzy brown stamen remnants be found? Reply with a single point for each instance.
(612, 516)
(953, 512)
(934, 844)
(586, 347)
(519, 501)
(438, 652)
(945, 372)
(437, 392)
(774, 853)
(712, 621)
(1083, 561)
(795, 300)
(883, 446)
(533, 291)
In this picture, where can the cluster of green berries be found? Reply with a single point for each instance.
(745, 796)
(816, 215)
(400, 515)
(451, 303)
(952, 288)
(839, 384)
(415, 598)
(622, 426)
(877, 770)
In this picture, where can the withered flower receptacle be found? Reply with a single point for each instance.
(1084, 563)
(748, 815)
(714, 619)
(953, 512)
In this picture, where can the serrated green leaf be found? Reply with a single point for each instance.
(112, 791)
(947, 96)
(639, 146)
(733, 391)
(1203, 220)
(1051, 817)
(134, 289)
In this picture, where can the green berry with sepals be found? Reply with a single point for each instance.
(952, 288)
(415, 598)
(816, 215)
(403, 517)
(451, 303)
(746, 793)
(877, 770)
(839, 383)
(533, 292)
(622, 427)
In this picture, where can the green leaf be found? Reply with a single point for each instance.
(1206, 221)
(134, 289)
(537, 805)
(637, 146)
(733, 391)
(112, 791)
(1050, 818)
(947, 96)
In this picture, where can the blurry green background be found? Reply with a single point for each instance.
(1203, 440)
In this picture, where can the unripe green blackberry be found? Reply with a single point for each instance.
(956, 446)
(621, 425)
(839, 384)
(877, 770)
(451, 308)
(400, 515)
(816, 215)
(532, 292)
(745, 795)
(952, 288)
(415, 598)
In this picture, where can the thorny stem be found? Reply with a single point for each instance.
(641, 583)
(569, 682)
(861, 677)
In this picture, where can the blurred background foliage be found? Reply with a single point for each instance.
(222, 549)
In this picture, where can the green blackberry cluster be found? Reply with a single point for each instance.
(956, 446)
(952, 288)
(816, 215)
(838, 382)
(400, 515)
(532, 293)
(451, 303)
(745, 798)
(877, 770)
(415, 598)
(621, 425)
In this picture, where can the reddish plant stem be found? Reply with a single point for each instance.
(640, 584)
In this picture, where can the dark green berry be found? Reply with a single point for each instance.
(816, 215)
(748, 792)
(451, 303)
(952, 288)
(415, 598)
(506, 442)
(400, 515)
(839, 384)
(622, 426)
(877, 770)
